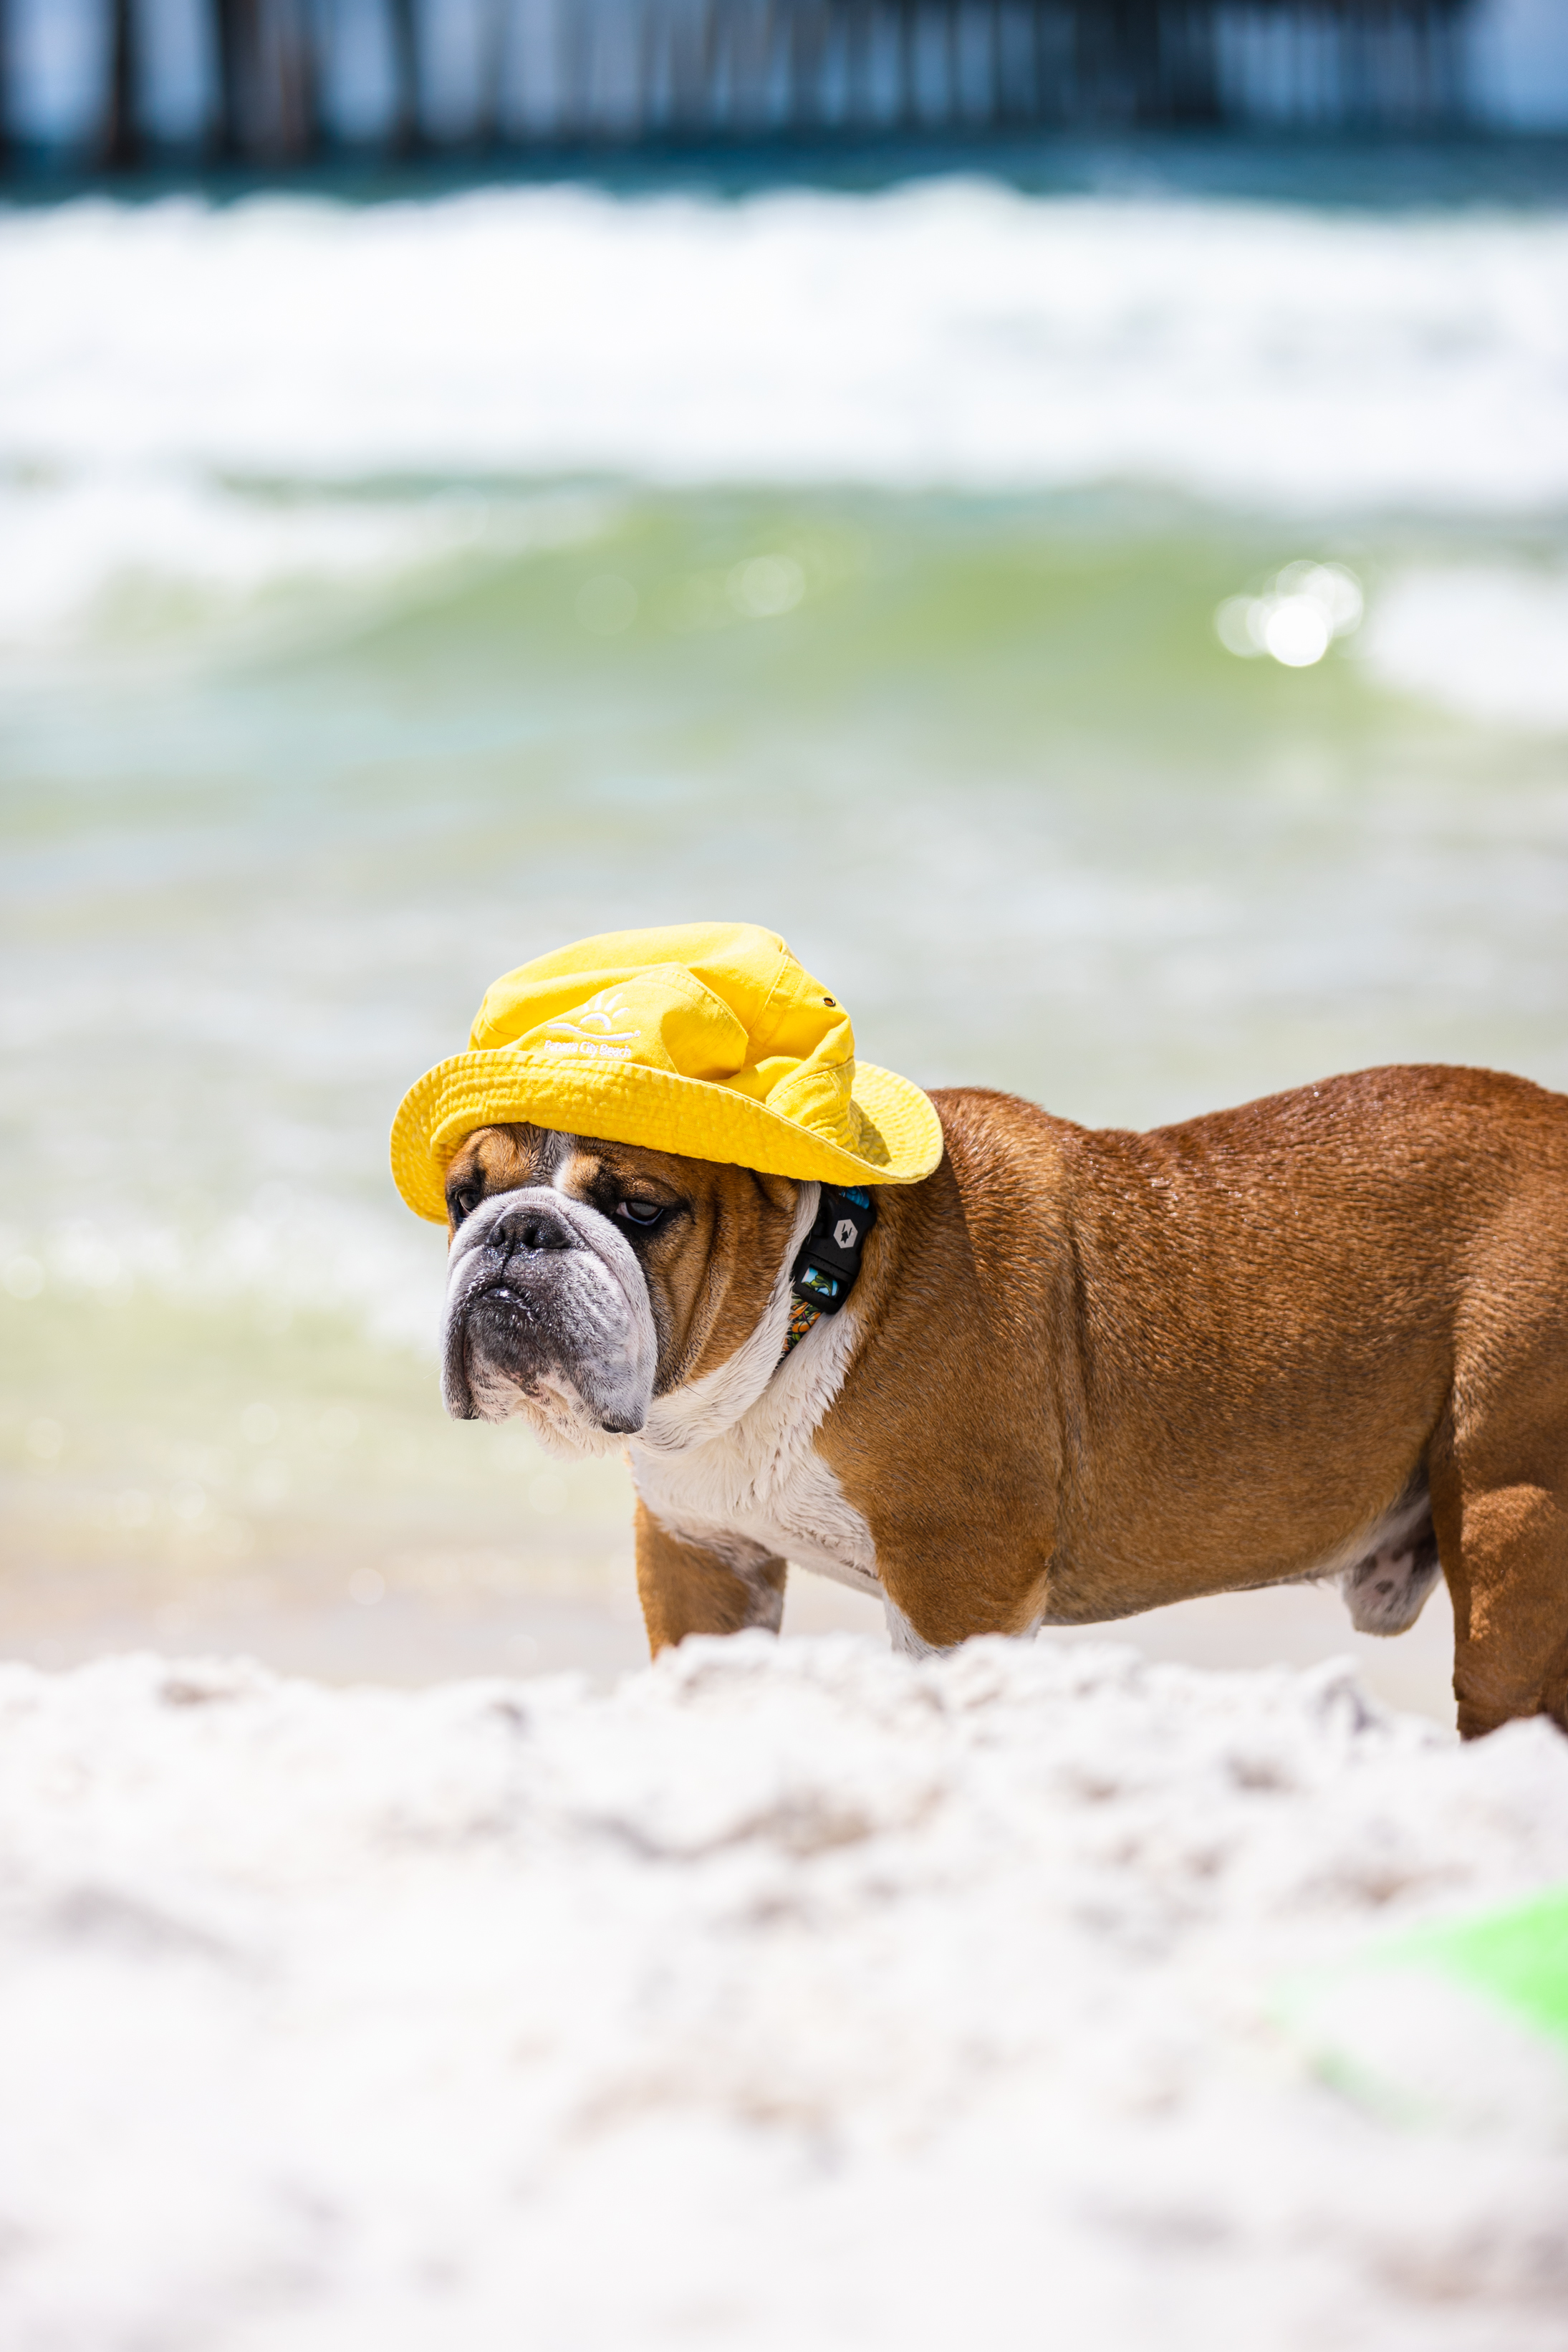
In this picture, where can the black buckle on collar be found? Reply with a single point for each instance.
(824, 1274)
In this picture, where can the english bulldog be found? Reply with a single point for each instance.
(1079, 1374)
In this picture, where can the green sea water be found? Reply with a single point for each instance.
(992, 774)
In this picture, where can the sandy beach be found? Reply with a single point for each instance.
(788, 1993)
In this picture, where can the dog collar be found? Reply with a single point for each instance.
(828, 1260)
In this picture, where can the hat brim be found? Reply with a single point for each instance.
(629, 1103)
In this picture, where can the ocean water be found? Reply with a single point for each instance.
(1121, 641)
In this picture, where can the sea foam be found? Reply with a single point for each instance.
(952, 333)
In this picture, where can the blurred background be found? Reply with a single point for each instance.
(1061, 510)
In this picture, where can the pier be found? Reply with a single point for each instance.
(117, 85)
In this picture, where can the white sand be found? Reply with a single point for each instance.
(789, 1996)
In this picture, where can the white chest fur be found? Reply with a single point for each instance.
(728, 1461)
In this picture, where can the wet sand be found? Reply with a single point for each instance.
(369, 1631)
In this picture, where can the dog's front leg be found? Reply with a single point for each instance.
(684, 1588)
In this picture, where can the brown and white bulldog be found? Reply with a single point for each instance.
(1082, 1374)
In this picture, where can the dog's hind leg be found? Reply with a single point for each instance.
(1503, 1538)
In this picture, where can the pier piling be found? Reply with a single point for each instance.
(543, 74)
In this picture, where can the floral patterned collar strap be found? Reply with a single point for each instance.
(828, 1260)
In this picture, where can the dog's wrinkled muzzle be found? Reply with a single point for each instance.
(547, 1312)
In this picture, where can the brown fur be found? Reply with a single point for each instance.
(684, 1591)
(1097, 1372)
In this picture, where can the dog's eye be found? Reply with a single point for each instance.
(463, 1201)
(643, 1213)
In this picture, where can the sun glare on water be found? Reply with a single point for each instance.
(1296, 618)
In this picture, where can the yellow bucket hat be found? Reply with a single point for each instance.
(706, 1039)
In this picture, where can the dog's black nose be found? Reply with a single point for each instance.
(531, 1227)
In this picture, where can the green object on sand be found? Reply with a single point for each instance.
(1518, 1957)
(1462, 2023)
